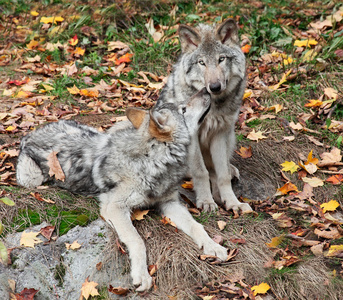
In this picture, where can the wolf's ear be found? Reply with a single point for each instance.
(136, 116)
(228, 31)
(189, 38)
(159, 127)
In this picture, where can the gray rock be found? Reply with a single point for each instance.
(59, 273)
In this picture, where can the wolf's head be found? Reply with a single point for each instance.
(212, 57)
(169, 122)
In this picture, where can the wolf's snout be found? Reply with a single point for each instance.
(215, 87)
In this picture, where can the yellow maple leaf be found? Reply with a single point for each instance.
(89, 92)
(255, 136)
(34, 13)
(29, 239)
(89, 289)
(261, 288)
(305, 43)
(313, 103)
(329, 206)
(73, 246)
(334, 250)
(138, 214)
(290, 166)
(48, 20)
(74, 90)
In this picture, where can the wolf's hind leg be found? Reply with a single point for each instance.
(28, 172)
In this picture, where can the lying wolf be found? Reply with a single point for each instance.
(211, 57)
(139, 164)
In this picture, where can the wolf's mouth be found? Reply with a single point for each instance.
(204, 114)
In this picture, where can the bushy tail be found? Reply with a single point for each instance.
(28, 172)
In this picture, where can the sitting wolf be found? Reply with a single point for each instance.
(139, 164)
(212, 58)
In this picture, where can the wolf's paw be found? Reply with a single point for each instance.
(143, 281)
(206, 205)
(244, 207)
(212, 248)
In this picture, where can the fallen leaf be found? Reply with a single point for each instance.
(255, 136)
(34, 13)
(152, 269)
(288, 187)
(246, 48)
(47, 232)
(73, 246)
(48, 20)
(289, 138)
(317, 250)
(245, 152)
(165, 220)
(29, 239)
(313, 103)
(311, 159)
(335, 179)
(330, 233)
(276, 241)
(26, 294)
(331, 157)
(290, 166)
(7, 201)
(138, 214)
(74, 90)
(335, 250)
(89, 289)
(126, 58)
(118, 290)
(221, 224)
(297, 126)
(261, 288)
(55, 167)
(283, 80)
(40, 198)
(329, 206)
(331, 93)
(305, 43)
(74, 40)
(238, 241)
(314, 181)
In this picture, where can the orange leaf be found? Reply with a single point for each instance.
(89, 92)
(165, 220)
(288, 187)
(79, 51)
(138, 214)
(246, 48)
(245, 152)
(335, 179)
(118, 290)
(124, 59)
(313, 103)
(311, 159)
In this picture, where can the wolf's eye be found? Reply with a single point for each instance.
(201, 62)
(184, 109)
(221, 59)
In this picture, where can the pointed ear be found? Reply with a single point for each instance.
(189, 38)
(136, 116)
(159, 127)
(228, 31)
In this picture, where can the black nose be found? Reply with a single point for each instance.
(215, 87)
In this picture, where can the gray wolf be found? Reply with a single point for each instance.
(138, 164)
(211, 57)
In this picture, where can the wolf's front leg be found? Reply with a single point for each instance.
(221, 154)
(120, 218)
(201, 178)
(183, 220)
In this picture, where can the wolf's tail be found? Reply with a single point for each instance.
(28, 172)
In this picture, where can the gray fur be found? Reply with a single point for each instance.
(211, 57)
(137, 163)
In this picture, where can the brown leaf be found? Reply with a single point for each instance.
(26, 294)
(331, 233)
(238, 241)
(47, 232)
(55, 167)
(152, 269)
(138, 214)
(218, 239)
(98, 266)
(40, 198)
(120, 247)
(118, 290)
